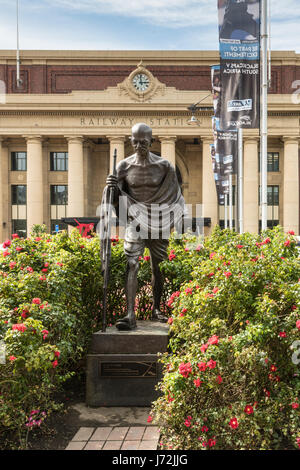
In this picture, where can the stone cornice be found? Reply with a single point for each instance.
(127, 113)
(290, 139)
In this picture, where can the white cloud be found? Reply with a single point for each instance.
(167, 13)
(172, 13)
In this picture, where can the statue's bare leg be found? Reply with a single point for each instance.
(157, 287)
(129, 322)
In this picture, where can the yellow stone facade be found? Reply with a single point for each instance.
(89, 125)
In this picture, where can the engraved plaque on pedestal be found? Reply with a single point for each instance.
(123, 367)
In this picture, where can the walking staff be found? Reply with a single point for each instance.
(105, 241)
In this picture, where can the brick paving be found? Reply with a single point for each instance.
(115, 438)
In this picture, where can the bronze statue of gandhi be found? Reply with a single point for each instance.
(150, 186)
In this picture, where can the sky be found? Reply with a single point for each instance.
(131, 24)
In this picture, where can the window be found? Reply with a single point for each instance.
(19, 209)
(18, 161)
(18, 195)
(59, 195)
(272, 196)
(273, 206)
(59, 202)
(19, 226)
(58, 161)
(273, 162)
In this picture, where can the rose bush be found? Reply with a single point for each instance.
(231, 380)
(50, 304)
(49, 307)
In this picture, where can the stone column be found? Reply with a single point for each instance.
(291, 185)
(35, 187)
(75, 177)
(168, 149)
(209, 192)
(118, 143)
(251, 184)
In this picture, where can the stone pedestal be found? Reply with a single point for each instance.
(122, 367)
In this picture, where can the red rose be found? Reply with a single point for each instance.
(282, 334)
(170, 321)
(149, 419)
(36, 301)
(56, 353)
(228, 274)
(15, 236)
(188, 291)
(12, 358)
(295, 406)
(19, 248)
(204, 429)
(249, 410)
(19, 327)
(213, 340)
(6, 244)
(211, 442)
(12, 264)
(291, 232)
(45, 334)
(298, 324)
(219, 379)
(185, 369)
(273, 368)
(202, 366)
(203, 348)
(211, 364)
(197, 382)
(233, 423)
(147, 258)
(287, 243)
(54, 364)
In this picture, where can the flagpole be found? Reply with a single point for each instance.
(264, 114)
(225, 213)
(230, 202)
(240, 180)
(19, 81)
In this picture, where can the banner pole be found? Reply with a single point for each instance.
(240, 180)
(264, 114)
(230, 202)
(19, 82)
(225, 213)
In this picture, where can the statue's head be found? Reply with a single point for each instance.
(141, 138)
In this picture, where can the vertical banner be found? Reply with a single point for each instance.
(216, 89)
(239, 34)
(220, 181)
